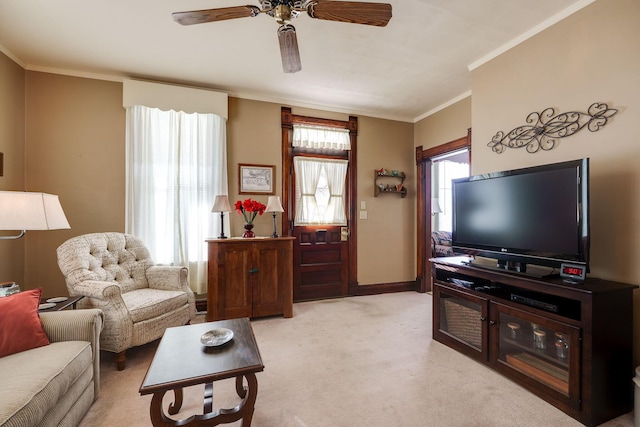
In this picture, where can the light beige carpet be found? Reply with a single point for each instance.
(352, 362)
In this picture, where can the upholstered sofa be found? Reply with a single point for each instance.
(115, 273)
(54, 384)
(441, 244)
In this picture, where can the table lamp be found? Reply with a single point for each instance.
(221, 204)
(435, 206)
(21, 210)
(274, 205)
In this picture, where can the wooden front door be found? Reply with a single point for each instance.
(321, 263)
(324, 256)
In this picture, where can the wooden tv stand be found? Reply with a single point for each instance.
(569, 344)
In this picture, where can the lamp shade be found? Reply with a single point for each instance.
(221, 204)
(21, 210)
(274, 205)
(435, 206)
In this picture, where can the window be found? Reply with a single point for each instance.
(445, 169)
(176, 164)
(320, 137)
(320, 185)
(320, 182)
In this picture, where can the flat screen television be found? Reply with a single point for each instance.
(537, 215)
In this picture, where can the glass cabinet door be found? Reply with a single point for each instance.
(544, 353)
(460, 321)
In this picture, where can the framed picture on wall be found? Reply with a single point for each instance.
(256, 179)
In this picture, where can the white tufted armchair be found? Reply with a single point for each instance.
(115, 273)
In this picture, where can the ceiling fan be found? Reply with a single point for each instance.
(283, 11)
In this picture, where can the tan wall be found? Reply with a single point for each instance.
(444, 126)
(386, 239)
(75, 147)
(590, 56)
(253, 137)
(12, 124)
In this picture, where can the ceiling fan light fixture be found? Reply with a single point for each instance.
(289, 49)
(283, 14)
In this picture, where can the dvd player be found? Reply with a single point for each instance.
(535, 303)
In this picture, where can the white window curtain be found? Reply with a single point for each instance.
(320, 187)
(320, 137)
(176, 165)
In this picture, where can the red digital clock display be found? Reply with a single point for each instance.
(572, 271)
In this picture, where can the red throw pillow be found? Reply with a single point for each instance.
(20, 325)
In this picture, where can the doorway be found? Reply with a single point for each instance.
(325, 250)
(425, 204)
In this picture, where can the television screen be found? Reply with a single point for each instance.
(536, 215)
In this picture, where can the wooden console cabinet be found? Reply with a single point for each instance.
(570, 344)
(250, 278)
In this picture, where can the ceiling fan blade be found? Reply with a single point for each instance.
(289, 49)
(211, 15)
(377, 14)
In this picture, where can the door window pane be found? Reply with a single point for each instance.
(320, 191)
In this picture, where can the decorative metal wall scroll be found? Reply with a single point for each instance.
(546, 127)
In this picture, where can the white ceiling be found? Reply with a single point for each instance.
(416, 64)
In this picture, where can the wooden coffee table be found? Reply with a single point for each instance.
(182, 361)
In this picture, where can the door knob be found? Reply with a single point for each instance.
(344, 234)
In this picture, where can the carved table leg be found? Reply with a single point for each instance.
(240, 389)
(208, 398)
(249, 400)
(174, 407)
(158, 417)
(244, 411)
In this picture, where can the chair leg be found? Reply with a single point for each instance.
(120, 359)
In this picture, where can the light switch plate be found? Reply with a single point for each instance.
(363, 205)
(363, 214)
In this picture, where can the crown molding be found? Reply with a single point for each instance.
(443, 106)
(76, 73)
(11, 56)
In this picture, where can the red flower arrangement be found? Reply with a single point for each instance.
(252, 207)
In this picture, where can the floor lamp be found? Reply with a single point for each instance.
(22, 211)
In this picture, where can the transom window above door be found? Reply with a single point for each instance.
(320, 137)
